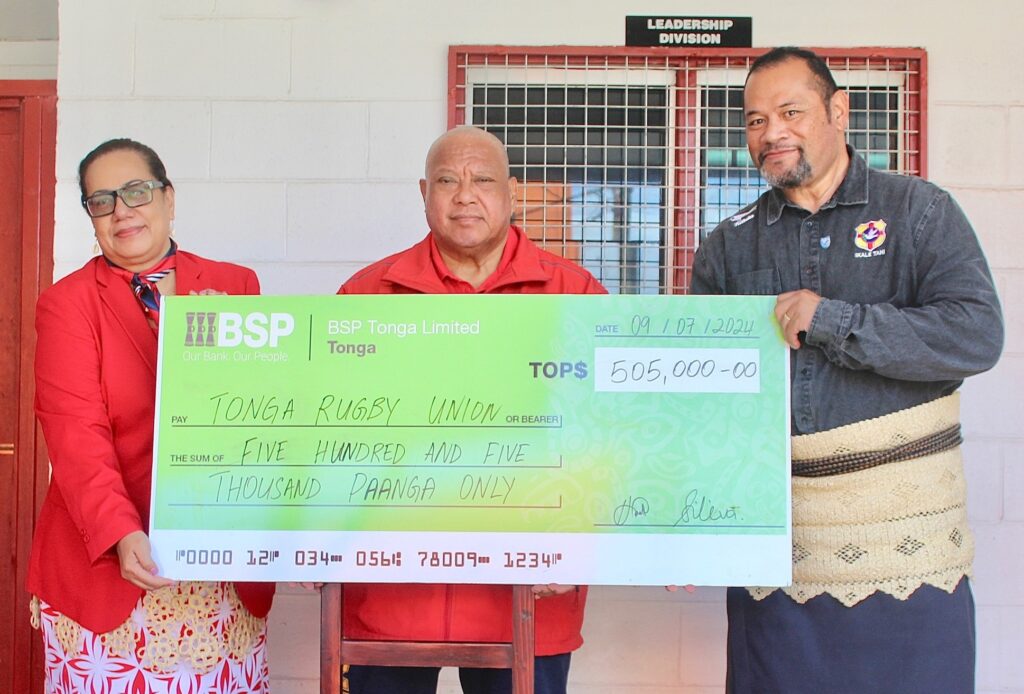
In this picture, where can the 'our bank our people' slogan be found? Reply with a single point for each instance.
(473, 439)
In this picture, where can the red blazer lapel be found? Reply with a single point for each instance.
(125, 310)
(186, 274)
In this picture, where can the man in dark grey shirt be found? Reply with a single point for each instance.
(888, 304)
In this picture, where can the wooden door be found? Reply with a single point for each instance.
(27, 145)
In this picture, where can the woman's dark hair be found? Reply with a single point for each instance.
(152, 159)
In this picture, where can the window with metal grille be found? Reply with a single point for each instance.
(628, 157)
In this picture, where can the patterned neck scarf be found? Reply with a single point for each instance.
(143, 284)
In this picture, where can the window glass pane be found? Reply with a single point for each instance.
(874, 125)
(728, 180)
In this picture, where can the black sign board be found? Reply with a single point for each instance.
(735, 32)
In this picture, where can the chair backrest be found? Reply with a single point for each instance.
(336, 650)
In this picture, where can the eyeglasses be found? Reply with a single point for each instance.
(133, 194)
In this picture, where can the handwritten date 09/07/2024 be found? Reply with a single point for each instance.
(642, 326)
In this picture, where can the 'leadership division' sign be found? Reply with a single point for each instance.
(734, 32)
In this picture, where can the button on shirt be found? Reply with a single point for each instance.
(909, 308)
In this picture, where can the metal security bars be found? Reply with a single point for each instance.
(627, 157)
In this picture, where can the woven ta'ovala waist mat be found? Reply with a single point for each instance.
(891, 526)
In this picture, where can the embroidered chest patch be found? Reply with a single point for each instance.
(869, 237)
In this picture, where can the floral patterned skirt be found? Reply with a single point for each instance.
(189, 638)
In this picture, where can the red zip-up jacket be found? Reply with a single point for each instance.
(456, 612)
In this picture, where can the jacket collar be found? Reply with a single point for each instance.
(416, 270)
(119, 299)
(852, 191)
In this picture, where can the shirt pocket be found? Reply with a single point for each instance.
(759, 282)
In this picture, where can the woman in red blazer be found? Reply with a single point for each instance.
(110, 622)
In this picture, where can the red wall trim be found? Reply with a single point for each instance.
(25, 88)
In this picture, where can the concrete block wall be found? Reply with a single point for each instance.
(295, 132)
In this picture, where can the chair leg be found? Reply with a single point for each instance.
(523, 604)
(331, 597)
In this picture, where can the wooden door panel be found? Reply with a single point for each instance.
(27, 182)
(10, 367)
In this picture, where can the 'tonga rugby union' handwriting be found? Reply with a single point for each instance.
(334, 408)
(264, 409)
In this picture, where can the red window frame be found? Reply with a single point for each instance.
(687, 61)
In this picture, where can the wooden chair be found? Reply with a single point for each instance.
(335, 649)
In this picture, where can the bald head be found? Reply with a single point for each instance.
(466, 137)
(468, 197)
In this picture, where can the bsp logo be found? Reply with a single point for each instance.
(226, 329)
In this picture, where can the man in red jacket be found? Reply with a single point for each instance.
(468, 197)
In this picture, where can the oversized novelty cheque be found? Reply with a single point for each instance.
(473, 439)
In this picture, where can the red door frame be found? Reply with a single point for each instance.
(38, 108)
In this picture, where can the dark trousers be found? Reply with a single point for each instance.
(922, 645)
(550, 675)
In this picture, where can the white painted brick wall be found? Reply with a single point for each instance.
(72, 241)
(1013, 285)
(218, 58)
(255, 230)
(996, 214)
(295, 132)
(1013, 483)
(179, 130)
(297, 140)
(992, 407)
(1015, 147)
(984, 470)
(379, 219)
(303, 278)
(353, 64)
(96, 50)
(397, 129)
(978, 157)
(1000, 644)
